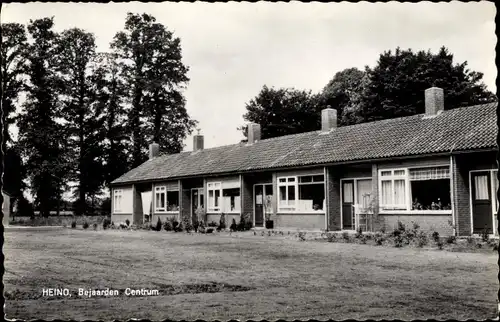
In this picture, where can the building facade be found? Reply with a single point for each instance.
(437, 170)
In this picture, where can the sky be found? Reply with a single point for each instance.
(233, 49)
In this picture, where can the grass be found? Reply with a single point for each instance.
(222, 277)
(56, 220)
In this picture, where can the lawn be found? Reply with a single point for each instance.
(242, 277)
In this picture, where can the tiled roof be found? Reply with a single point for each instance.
(460, 129)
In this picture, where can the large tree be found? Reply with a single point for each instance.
(83, 119)
(397, 83)
(41, 136)
(150, 59)
(283, 111)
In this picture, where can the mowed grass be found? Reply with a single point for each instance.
(281, 279)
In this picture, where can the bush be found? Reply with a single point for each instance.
(95, 226)
(440, 245)
(179, 227)
(359, 232)
(379, 238)
(398, 241)
(168, 225)
(435, 236)
(331, 238)
(451, 240)
(422, 239)
(85, 225)
(127, 222)
(188, 227)
(73, 224)
(302, 236)
(158, 224)
(345, 236)
(106, 223)
(245, 222)
(485, 236)
(222, 222)
(470, 240)
(233, 226)
(210, 230)
(212, 224)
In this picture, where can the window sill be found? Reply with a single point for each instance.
(166, 212)
(297, 212)
(415, 212)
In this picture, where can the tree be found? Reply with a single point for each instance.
(110, 97)
(83, 119)
(397, 83)
(342, 93)
(13, 53)
(150, 61)
(41, 137)
(283, 111)
(14, 173)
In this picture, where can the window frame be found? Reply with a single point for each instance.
(408, 197)
(295, 182)
(164, 190)
(212, 186)
(117, 194)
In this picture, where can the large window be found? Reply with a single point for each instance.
(117, 200)
(222, 199)
(301, 193)
(166, 200)
(415, 189)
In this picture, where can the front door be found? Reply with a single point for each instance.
(347, 203)
(196, 201)
(262, 202)
(481, 202)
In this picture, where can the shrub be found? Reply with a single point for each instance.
(359, 232)
(212, 224)
(85, 225)
(485, 236)
(398, 241)
(345, 236)
(331, 238)
(210, 230)
(451, 240)
(222, 222)
(95, 226)
(363, 239)
(233, 226)
(435, 236)
(175, 224)
(440, 245)
(302, 235)
(106, 223)
(127, 222)
(158, 224)
(196, 224)
(422, 239)
(379, 238)
(470, 240)
(168, 225)
(179, 227)
(245, 222)
(73, 224)
(188, 227)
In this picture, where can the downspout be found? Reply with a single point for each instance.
(452, 190)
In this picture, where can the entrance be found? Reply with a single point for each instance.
(484, 186)
(263, 194)
(197, 200)
(356, 195)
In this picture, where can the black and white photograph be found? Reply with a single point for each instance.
(249, 161)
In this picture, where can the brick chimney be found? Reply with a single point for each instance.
(253, 132)
(197, 142)
(434, 101)
(328, 119)
(154, 150)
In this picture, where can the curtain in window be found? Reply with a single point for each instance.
(481, 187)
(364, 192)
(430, 173)
(386, 193)
(399, 192)
(347, 189)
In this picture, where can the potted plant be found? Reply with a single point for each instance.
(268, 213)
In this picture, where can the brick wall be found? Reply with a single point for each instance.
(137, 205)
(333, 196)
(300, 221)
(427, 223)
(246, 196)
(186, 205)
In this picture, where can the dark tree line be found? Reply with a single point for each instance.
(86, 117)
(393, 88)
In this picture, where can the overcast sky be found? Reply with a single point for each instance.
(233, 49)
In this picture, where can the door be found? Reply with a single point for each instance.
(481, 202)
(363, 199)
(347, 203)
(196, 201)
(263, 195)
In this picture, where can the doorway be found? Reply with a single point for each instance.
(356, 194)
(484, 204)
(197, 200)
(263, 194)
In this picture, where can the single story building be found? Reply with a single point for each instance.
(437, 169)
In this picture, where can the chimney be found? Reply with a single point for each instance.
(197, 142)
(253, 132)
(154, 150)
(434, 101)
(328, 119)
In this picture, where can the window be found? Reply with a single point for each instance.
(415, 189)
(117, 197)
(166, 200)
(214, 194)
(231, 200)
(301, 193)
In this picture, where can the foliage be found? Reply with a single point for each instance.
(73, 224)
(95, 226)
(127, 222)
(422, 239)
(168, 225)
(379, 238)
(85, 225)
(41, 138)
(485, 236)
(302, 235)
(359, 232)
(106, 223)
(233, 226)
(451, 240)
(331, 238)
(188, 227)
(222, 222)
(435, 236)
(151, 66)
(245, 222)
(158, 224)
(283, 111)
(440, 245)
(345, 236)
(212, 224)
